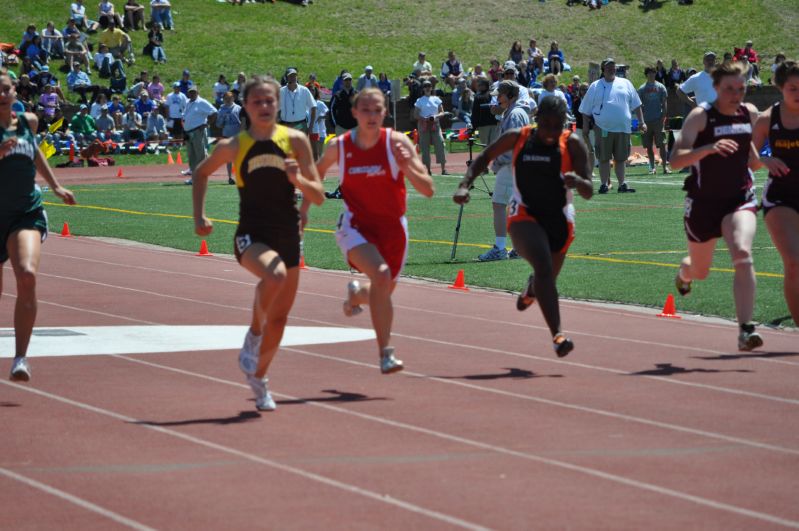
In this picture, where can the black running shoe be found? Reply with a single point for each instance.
(527, 296)
(683, 287)
(562, 345)
(624, 189)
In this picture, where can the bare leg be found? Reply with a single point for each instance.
(604, 172)
(619, 169)
(696, 265)
(377, 292)
(783, 225)
(24, 251)
(738, 230)
(531, 242)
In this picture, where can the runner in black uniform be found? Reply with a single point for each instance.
(547, 163)
(23, 221)
(780, 125)
(271, 161)
(716, 141)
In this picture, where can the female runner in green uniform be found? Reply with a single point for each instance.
(271, 162)
(23, 221)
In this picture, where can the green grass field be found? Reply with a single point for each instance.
(213, 38)
(627, 247)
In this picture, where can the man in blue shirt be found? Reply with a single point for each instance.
(195, 126)
(79, 82)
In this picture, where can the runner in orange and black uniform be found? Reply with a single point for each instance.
(716, 141)
(548, 163)
(23, 221)
(271, 161)
(780, 125)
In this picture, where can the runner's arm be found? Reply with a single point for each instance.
(224, 152)
(411, 165)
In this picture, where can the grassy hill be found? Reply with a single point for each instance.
(213, 37)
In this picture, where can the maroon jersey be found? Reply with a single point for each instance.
(717, 176)
(784, 144)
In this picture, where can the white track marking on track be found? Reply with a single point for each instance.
(484, 349)
(75, 500)
(641, 485)
(353, 489)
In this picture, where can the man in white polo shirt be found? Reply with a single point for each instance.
(295, 101)
(700, 84)
(195, 126)
(610, 101)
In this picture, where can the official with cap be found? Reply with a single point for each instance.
(296, 103)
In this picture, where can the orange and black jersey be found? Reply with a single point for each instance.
(538, 173)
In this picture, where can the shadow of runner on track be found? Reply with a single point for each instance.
(747, 356)
(667, 369)
(243, 416)
(519, 374)
(338, 396)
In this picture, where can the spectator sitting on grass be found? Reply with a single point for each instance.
(46, 78)
(27, 37)
(118, 83)
(132, 125)
(156, 90)
(555, 57)
(37, 54)
(516, 53)
(452, 70)
(105, 63)
(660, 72)
(161, 12)
(83, 126)
(134, 15)
(100, 103)
(778, 60)
(53, 41)
(155, 44)
(118, 42)
(107, 127)
(156, 125)
(77, 12)
(144, 105)
(750, 72)
(48, 105)
(75, 52)
(139, 84)
(535, 55)
(27, 92)
(79, 82)
(494, 71)
(221, 87)
(70, 29)
(116, 110)
(107, 13)
(185, 82)
(421, 64)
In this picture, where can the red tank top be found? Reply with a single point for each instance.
(372, 185)
(717, 176)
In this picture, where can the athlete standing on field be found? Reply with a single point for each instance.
(780, 125)
(548, 162)
(372, 231)
(23, 221)
(271, 162)
(716, 141)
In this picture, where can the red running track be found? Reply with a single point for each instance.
(648, 424)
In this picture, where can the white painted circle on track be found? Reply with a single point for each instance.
(95, 340)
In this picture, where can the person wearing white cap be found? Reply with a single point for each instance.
(176, 104)
(367, 79)
(296, 103)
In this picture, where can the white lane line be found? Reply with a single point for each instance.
(71, 498)
(353, 489)
(641, 485)
(483, 349)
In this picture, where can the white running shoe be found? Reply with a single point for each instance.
(263, 398)
(248, 355)
(20, 370)
(748, 339)
(388, 363)
(350, 309)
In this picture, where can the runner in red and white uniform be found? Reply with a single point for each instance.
(780, 125)
(716, 141)
(372, 231)
(548, 163)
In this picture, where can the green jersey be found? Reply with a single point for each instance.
(19, 193)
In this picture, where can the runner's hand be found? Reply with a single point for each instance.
(461, 196)
(293, 171)
(65, 195)
(7, 146)
(203, 226)
(776, 166)
(571, 179)
(725, 147)
(403, 155)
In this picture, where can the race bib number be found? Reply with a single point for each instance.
(513, 208)
(243, 242)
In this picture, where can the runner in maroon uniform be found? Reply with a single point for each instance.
(547, 163)
(780, 125)
(716, 141)
(372, 231)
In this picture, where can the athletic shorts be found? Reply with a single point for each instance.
(35, 219)
(614, 146)
(654, 132)
(390, 238)
(284, 241)
(703, 215)
(776, 194)
(503, 187)
(560, 231)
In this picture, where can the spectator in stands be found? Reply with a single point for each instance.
(318, 128)
(155, 44)
(654, 106)
(27, 92)
(550, 83)
(516, 53)
(176, 106)
(384, 85)
(221, 87)
(428, 110)
(555, 57)
(700, 84)
(747, 51)
(72, 28)
(156, 125)
(107, 14)
(75, 52)
(144, 105)
(237, 87)
(675, 76)
(106, 63)
(494, 71)
(195, 126)
(79, 82)
(118, 42)
(27, 37)
(535, 54)
(341, 106)
(48, 105)
(611, 100)
(139, 84)
(482, 118)
(660, 72)
(229, 120)
(161, 12)
(77, 12)
(367, 79)
(46, 78)
(156, 90)
(37, 54)
(53, 41)
(116, 110)
(132, 125)
(82, 126)
(107, 127)
(452, 70)
(134, 15)
(778, 60)
(421, 64)
(750, 72)
(118, 83)
(185, 82)
(100, 103)
(523, 74)
(296, 102)
(464, 109)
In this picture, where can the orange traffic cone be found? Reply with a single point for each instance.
(71, 152)
(169, 159)
(459, 282)
(204, 250)
(179, 159)
(120, 175)
(669, 309)
(65, 231)
(302, 263)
